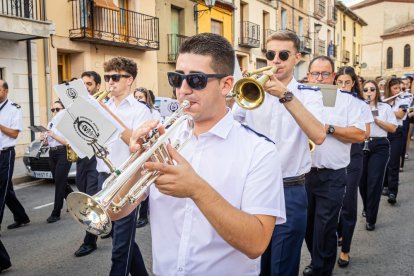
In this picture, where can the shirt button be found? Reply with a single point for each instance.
(180, 269)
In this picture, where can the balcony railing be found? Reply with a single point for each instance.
(305, 45)
(249, 35)
(116, 27)
(266, 34)
(321, 47)
(319, 9)
(346, 56)
(174, 43)
(30, 9)
(331, 16)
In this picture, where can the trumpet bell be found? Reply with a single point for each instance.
(88, 212)
(249, 94)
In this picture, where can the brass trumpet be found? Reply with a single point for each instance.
(248, 92)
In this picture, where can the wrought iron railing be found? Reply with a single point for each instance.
(266, 34)
(249, 35)
(321, 47)
(174, 43)
(319, 8)
(30, 9)
(331, 15)
(305, 45)
(118, 27)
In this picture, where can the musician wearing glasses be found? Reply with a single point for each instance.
(326, 181)
(120, 73)
(290, 115)
(215, 210)
(86, 173)
(58, 162)
(10, 127)
(376, 154)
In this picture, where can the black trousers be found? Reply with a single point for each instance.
(143, 209)
(87, 182)
(373, 172)
(325, 189)
(7, 194)
(126, 256)
(349, 210)
(405, 129)
(4, 256)
(393, 168)
(60, 166)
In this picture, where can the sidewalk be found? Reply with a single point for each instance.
(19, 175)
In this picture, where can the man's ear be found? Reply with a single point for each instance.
(227, 84)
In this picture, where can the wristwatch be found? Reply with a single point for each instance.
(331, 129)
(287, 97)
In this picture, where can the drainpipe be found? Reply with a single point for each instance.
(30, 80)
(47, 65)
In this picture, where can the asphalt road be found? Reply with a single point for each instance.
(47, 249)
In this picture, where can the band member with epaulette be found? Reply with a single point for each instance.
(10, 127)
(377, 153)
(325, 183)
(290, 115)
(120, 73)
(347, 80)
(86, 173)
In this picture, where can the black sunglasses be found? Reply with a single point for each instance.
(57, 109)
(115, 77)
(196, 81)
(372, 89)
(283, 55)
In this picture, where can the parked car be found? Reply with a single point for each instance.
(39, 167)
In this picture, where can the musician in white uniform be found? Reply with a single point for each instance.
(290, 115)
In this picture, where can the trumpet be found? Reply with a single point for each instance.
(101, 94)
(248, 92)
(121, 193)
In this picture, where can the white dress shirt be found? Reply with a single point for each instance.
(52, 126)
(10, 117)
(274, 120)
(366, 114)
(385, 114)
(245, 170)
(396, 107)
(334, 154)
(132, 114)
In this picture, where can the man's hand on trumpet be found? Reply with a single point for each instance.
(274, 86)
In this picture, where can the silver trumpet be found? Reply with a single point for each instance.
(121, 194)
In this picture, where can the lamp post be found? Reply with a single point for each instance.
(209, 3)
(317, 28)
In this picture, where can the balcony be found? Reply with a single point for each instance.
(346, 56)
(266, 34)
(249, 35)
(305, 45)
(331, 16)
(356, 60)
(23, 20)
(174, 43)
(113, 26)
(319, 9)
(321, 48)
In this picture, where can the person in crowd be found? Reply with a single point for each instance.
(10, 127)
(58, 162)
(227, 218)
(381, 87)
(290, 115)
(405, 87)
(147, 96)
(120, 73)
(399, 106)
(347, 80)
(326, 182)
(361, 81)
(86, 173)
(376, 153)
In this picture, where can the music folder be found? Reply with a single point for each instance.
(38, 128)
(328, 94)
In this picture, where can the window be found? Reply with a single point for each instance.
(284, 19)
(407, 55)
(301, 3)
(260, 63)
(389, 58)
(344, 22)
(63, 67)
(300, 30)
(354, 30)
(216, 27)
(2, 74)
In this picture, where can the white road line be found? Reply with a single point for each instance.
(29, 184)
(42, 206)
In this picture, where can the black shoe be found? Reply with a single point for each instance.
(392, 199)
(106, 236)
(308, 271)
(4, 267)
(53, 219)
(364, 213)
(343, 263)
(85, 249)
(370, 227)
(142, 222)
(385, 191)
(18, 224)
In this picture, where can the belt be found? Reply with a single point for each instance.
(294, 181)
(315, 169)
(6, 149)
(57, 147)
(377, 138)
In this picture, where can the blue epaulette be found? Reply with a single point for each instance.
(16, 105)
(144, 103)
(308, 87)
(257, 133)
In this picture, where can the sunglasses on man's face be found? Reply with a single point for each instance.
(196, 81)
(57, 109)
(283, 55)
(372, 89)
(115, 77)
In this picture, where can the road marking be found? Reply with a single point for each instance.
(29, 184)
(42, 206)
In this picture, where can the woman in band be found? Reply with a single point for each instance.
(376, 153)
(147, 96)
(58, 162)
(399, 106)
(347, 80)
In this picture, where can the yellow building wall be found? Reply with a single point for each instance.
(217, 13)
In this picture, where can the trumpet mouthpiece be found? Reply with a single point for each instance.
(185, 104)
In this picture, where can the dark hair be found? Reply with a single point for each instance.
(285, 35)
(149, 96)
(348, 70)
(92, 74)
(361, 79)
(213, 45)
(390, 82)
(5, 85)
(410, 78)
(323, 58)
(74, 78)
(377, 92)
(122, 64)
(59, 102)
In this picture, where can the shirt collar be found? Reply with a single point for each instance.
(292, 85)
(223, 127)
(130, 100)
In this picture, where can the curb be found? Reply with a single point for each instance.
(22, 179)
